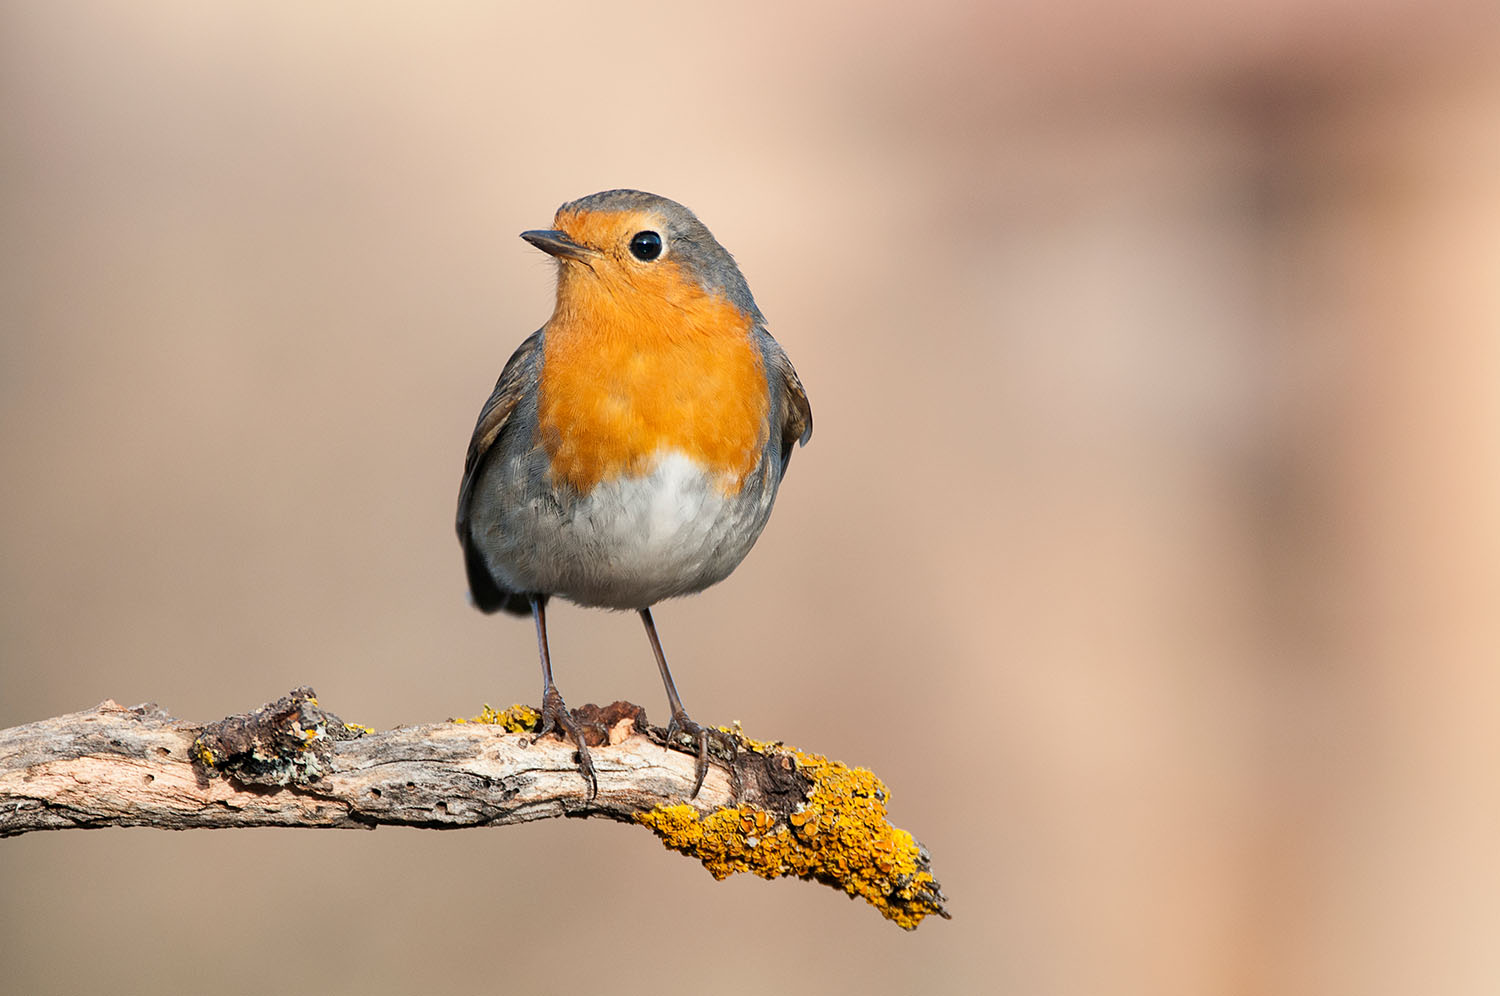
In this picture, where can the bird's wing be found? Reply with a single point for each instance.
(494, 418)
(796, 413)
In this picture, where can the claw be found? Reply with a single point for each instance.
(681, 726)
(557, 720)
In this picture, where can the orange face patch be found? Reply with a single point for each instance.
(638, 358)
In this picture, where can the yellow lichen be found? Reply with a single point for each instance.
(516, 719)
(839, 836)
(359, 728)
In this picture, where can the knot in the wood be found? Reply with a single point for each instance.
(286, 742)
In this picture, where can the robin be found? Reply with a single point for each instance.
(632, 447)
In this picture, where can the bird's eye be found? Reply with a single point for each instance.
(645, 246)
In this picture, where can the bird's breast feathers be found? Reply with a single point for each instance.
(618, 388)
(628, 542)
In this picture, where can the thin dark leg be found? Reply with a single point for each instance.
(680, 723)
(539, 616)
(555, 715)
(673, 699)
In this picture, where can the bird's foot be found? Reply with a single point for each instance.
(682, 727)
(556, 719)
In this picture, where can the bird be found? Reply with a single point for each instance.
(632, 448)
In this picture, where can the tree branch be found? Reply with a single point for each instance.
(769, 810)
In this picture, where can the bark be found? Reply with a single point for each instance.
(292, 763)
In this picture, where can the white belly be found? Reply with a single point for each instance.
(629, 543)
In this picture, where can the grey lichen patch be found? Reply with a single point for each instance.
(288, 742)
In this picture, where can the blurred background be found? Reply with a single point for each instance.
(1148, 546)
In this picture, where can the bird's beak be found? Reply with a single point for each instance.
(556, 243)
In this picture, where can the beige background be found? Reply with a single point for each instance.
(1148, 545)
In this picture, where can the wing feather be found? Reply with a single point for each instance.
(494, 419)
(796, 412)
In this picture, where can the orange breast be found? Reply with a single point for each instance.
(634, 366)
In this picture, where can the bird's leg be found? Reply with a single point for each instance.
(555, 715)
(680, 723)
